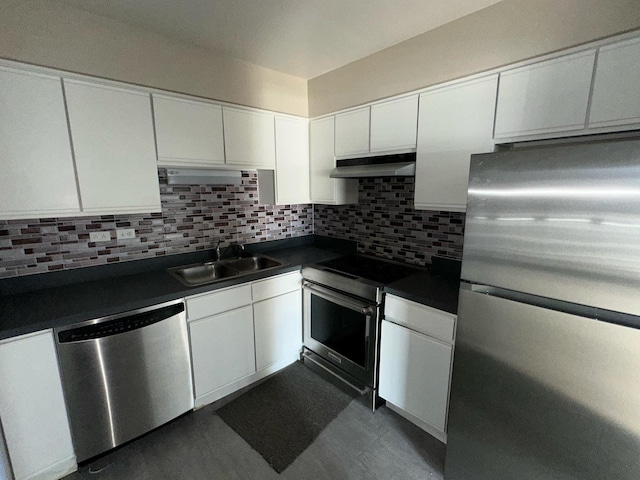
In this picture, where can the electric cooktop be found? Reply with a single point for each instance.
(370, 268)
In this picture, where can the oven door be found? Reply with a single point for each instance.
(342, 330)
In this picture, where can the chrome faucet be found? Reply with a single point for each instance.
(237, 245)
(220, 254)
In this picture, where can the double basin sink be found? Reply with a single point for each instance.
(210, 272)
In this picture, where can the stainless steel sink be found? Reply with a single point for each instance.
(210, 272)
(254, 263)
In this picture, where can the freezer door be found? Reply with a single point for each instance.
(559, 222)
(540, 394)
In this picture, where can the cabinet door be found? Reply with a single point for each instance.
(394, 124)
(112, 137)
(546, 97)
(188, 132)
(616, 95)
(222, 349)
(292, 161)
(249, 138)
(414, 373)
(32, 408)
(324, 189)
(38, 177)
(278, 328)
(352, 132)
(453, 123)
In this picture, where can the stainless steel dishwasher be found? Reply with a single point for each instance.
(124, 375)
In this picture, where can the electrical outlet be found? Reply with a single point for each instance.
(100, 236)
(125, 233)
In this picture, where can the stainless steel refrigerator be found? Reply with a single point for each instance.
(546, 375)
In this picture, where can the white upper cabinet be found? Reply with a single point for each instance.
(616, 91)
(249, 138)
(383, 127)
(323, 189)
(546, 97)
(188, 132)
(112, 136)
(352, 132)
(292, 160)
(454, 122)
(38, 177)
(393, 124)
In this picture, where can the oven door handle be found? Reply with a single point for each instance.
(342, 300)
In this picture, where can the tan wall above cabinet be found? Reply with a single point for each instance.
(507, 32)
(55, 34)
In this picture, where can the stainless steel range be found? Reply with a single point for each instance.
(342, 312)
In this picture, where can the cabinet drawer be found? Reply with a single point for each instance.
(418, 317)
(274, 286)
(219, 301)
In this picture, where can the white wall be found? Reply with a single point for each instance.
(52, 34)
(504, 33)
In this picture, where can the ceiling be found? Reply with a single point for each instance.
(305, 38)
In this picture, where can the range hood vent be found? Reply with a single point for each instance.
(203, 176)
(398, 165)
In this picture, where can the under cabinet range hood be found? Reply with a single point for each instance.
(203, 176)
(398, 165)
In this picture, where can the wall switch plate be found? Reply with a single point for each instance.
(100, 236)
(124, 233)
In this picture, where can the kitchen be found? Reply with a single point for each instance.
(192, 218)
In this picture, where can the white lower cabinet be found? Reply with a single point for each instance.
(32, 408)
(278, 328)
(241, 334)
(415, 368)
(222, 349)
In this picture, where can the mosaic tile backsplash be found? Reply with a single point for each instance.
(193, 218)
(385, 224)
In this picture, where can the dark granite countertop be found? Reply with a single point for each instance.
(31, 304)
(437, 287)
(428, 289)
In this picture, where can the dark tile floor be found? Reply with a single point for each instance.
(358, 444)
